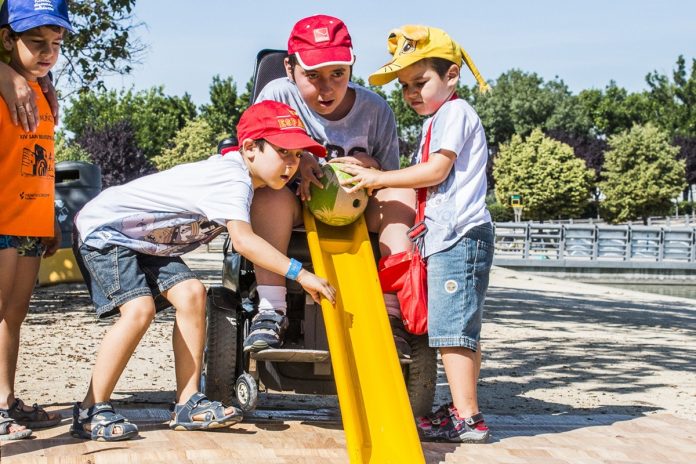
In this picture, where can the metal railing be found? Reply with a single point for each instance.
(597, 242)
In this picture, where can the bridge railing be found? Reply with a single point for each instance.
(594, 242)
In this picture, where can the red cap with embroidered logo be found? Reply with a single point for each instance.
(321, 40)
(278, 124)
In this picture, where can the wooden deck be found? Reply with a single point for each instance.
(662, 438)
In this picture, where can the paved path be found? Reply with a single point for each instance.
(571, 373)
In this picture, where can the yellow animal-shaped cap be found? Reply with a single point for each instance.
(411, 43)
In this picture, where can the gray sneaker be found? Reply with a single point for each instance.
(266, 331)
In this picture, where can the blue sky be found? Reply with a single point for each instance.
(586, 43)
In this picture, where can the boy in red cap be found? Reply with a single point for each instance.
(357, 127)
(128, 241)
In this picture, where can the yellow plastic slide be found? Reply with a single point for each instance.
(377, 416)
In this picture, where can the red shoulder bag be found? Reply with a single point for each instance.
(406, 273)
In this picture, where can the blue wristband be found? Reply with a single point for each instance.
(294, 269)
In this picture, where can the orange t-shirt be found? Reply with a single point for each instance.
(27, 173)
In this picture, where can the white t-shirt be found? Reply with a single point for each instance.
(171, 212)
(369, 126)
(459, 203)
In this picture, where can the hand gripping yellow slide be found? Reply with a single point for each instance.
(377, 417)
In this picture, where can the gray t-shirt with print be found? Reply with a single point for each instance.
(369, 127)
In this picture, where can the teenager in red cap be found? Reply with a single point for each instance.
(128, 241)
(357, 127)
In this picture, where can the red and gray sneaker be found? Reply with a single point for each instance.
(435, 417)
(455, 429)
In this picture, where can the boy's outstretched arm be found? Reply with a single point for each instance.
(433, 172)
(262, 253)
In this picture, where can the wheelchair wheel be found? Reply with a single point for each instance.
(247, 392)
(421, 375)
(220, 361)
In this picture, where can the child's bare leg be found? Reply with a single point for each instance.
(273, 215)
(17, 277)
(16, 286)
(462, 367)
(188, 338)
(390, 213)
(118, 346)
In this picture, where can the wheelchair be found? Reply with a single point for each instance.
(303, 364)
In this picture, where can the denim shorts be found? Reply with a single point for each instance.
(457, 284)
(25, 246)
(115, 275)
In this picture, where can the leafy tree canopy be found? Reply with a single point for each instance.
(195, 142)
(114, 149)
(519, 102)
(223, 111)
(154, 117)
(641, 175)
(674, 102)
(104, 43)
(552, 181)
(687, 152)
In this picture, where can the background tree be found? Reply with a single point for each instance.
(519, 102)
(591, 150)
(553, 182)
(687, 152)
(66, 150)
(613, 110)
(641, 175)
(195, 142)
(103, 43)
(673, 103)
(244, 100)
(154, 117)
(114, 149)
(222, 113)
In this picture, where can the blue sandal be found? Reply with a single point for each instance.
(102, 420)
(213, 411)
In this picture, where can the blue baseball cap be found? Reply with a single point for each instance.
(22, 15)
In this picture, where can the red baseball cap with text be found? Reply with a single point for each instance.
(278, 124)
(321, 40)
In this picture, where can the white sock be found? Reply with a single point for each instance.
(391, 301)
(272, 297)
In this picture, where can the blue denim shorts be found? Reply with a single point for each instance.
(25, 246)
(457, 284)
(115, 275)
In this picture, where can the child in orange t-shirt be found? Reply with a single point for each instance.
(32, 35)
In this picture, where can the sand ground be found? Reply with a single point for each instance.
(550, 347)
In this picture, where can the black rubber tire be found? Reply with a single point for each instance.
(421, 375)
(220, 360)
(247, 392)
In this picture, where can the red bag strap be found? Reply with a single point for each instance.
(421, 192)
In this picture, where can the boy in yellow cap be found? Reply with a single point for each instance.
(458, 242)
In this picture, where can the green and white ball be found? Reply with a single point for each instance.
(333, 205)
